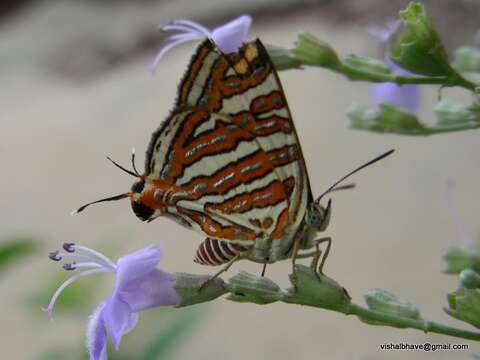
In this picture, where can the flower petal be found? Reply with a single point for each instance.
(397, 69)
(383, 33)
(118, 318)
(192, 25)
(171, 42)
(96, 336)
(229, 37)
(136, 265)
(404, 96)
(154, 289)
(184, 29)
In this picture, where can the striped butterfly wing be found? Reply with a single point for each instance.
(230, 151)
(220, 180)
(245, 86)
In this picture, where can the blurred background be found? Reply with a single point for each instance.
(75, 87)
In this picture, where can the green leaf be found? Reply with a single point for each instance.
(459, 259)
(467, 58)
(464, 304)
(384, 301)
(15, 249)
(387, 118)
(311, 51)
(417, 46)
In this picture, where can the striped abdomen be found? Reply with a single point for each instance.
(215, 252)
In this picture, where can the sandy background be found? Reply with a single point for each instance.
(59, 117)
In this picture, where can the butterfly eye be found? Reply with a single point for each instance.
(315, 216)
(142, 211)
(138, 186)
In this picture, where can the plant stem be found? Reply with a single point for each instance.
(397, 321)
(359, 74)
(286, 59)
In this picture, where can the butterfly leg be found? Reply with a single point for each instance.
(318, 254)
(221, 271)
(295, 256)
(264, 269)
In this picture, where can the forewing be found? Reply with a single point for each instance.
(221, 181)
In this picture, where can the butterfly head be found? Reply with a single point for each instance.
(142, 209)
(143, 195)
(318, 217)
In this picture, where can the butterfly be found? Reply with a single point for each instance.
(227, 162)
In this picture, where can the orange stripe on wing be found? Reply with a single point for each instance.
(191, 75)
(269, 195)
(281, 224)
(217, 141)
(214, 229)
(245, 170)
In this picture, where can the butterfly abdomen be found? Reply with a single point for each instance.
(215, 252)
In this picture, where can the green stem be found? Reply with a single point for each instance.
(354, 73)
(459, 127)
(359, 74)
(310, 289)
(397, 321)
(285, 59)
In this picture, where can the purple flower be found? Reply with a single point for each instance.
(228, 37)
(139, 286)
(406, 97)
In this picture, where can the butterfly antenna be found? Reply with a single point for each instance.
(333, 187)
(342, 187)
(122, 168)
(112, 198)
(133, 163)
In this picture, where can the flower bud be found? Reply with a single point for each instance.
(469, 279)
(417, 46)
(385, 302)
(453, 115)
(464, 304)
(194, 289)
(363, 66)
(311, 51)
(467, 58)
(283, 59)
(319, 291)
(385, 118)
(246, 287)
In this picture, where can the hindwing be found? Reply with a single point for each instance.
(229, 153)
